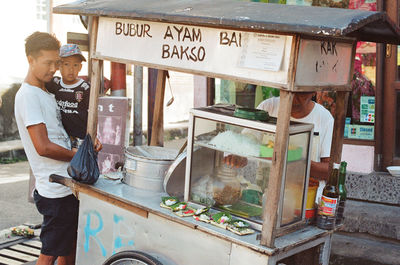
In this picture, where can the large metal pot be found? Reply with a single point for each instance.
(146, 166)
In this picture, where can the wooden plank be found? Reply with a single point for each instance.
(157, 134)
(17, 255)
(95, 79)
(94, 26)
(338, 127)
(290, 228)
(82, 39)
(151, 95)
(4, 260)
(26, 249)
(94, 98)
(33, 243)
(294, 55)
(275, 180)
(68, 182)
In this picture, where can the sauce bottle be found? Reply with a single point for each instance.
(326, 216)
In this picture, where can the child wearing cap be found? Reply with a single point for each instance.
(71, 93)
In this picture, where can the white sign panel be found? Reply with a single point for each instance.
(252, 57)
(263, 51)
(323, 63)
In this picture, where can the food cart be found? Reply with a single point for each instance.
(292, 48)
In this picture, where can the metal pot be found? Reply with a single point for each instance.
(145, 166)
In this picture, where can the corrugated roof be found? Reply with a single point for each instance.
(316, 21)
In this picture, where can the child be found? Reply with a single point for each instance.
(71, 93)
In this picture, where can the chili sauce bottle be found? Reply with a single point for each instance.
(326, 216)
(342, 193)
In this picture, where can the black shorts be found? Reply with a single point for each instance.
(60, 224)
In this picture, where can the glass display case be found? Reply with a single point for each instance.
(229, 160)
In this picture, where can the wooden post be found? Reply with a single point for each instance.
(338, 127)
(157, 133)
(151, 96)
(95, 77)
(270, 215)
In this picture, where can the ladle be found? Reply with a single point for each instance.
(170, 89)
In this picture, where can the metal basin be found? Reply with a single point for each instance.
(146, 166)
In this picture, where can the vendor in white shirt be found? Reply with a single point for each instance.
(307, 111)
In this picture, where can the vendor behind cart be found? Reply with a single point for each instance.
(305, 110)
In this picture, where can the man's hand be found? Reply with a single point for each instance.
(319, 170)
(97, 145)
(235, 161)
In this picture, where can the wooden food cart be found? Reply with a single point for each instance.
(292, 48)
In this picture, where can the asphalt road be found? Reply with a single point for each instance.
(14, 206)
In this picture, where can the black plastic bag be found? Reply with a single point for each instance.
(83, 166)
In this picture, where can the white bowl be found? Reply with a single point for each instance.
(394, 171)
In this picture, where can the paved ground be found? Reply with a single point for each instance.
(15, 208)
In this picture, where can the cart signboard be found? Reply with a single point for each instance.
(260, 58)
(256, 57)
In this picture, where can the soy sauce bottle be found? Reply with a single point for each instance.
(342, 193)
(326, 217)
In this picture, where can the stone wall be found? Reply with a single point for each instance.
(373, 205)
(8, 126)
(379, 187)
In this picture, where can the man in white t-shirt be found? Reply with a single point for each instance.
(48, 149)
(307, 111)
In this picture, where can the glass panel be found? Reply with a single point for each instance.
(239, 189)
(246, 95)
(295, 177)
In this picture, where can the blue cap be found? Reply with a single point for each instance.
(70, 50)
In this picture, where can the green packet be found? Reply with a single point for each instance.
(169, 201)
(240, 231)
(179, 206)
(202, 210)
(240, 224)
(204, 217)
(222, 218)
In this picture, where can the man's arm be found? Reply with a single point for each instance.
(45, 147)
(319, 170)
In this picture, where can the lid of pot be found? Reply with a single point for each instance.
(202, 164)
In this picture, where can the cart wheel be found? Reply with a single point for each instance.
(131, 258)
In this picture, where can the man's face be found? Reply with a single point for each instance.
(301, 101)
(44, 65)
(70, 68)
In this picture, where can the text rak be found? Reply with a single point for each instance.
(328, 50)
(182, 42)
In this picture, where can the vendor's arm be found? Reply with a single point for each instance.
(319, 170)
(44, 147)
